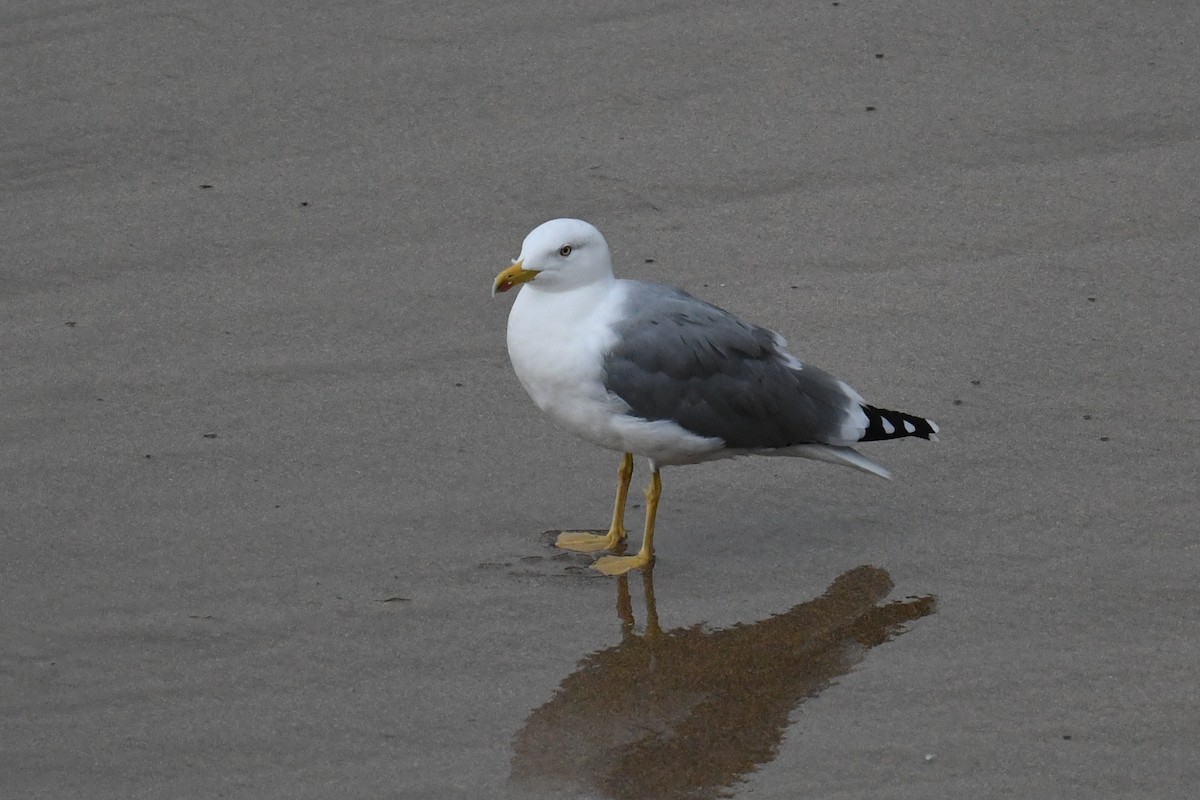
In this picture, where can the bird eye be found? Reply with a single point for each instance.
(565, 250)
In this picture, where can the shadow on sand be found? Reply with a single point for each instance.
(686, 713)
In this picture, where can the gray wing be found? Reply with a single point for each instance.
(679, 358)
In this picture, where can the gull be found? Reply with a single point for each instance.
(650, 370)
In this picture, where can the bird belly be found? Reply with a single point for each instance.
(585, 408)
(563, 373)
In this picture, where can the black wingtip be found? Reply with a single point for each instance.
(883, 423)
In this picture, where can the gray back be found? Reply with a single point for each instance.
(679, 358)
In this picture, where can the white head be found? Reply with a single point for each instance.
(559, 254)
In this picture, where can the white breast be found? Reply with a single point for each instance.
(557, 342)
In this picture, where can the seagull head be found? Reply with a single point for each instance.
(560, 254)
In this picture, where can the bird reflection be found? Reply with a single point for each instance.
(686, 713)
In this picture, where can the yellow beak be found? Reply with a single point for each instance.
(514, 275)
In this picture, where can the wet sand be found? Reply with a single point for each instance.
(275, 513)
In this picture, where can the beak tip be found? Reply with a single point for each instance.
(511, 277)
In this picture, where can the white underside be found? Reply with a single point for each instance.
(556, 341)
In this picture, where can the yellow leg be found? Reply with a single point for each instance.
(590, 542)
(619, 565)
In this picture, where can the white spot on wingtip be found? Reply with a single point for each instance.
(888, 428)
(908, 427)
(933, 425)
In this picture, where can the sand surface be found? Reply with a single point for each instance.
(273, 507)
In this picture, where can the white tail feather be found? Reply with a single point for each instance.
(846, 456)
